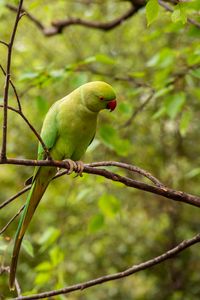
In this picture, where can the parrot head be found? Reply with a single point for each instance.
(98, 95)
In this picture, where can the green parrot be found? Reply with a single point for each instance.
(68, 129)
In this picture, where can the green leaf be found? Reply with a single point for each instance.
(111, 139)
(179, 14)
(174, 104)
(96, 223)
(161, 112)
(42, 278)
(193, 173)
(152, 10)
(163, 91)
(196, 73)
(164, 58)
(44, 266)
(56, 255)
(125, 107)
(27, 246)
(29, 76)
(49, 237)
(102, 58)
(185, 122)
(109, 205)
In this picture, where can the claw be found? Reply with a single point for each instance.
(79, 167)
(72, 166)
(76, 166)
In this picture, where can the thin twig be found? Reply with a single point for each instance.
(14, 196)
(162, 191)
(4, 43)
(171, 9)
(32, 128)
(14, 89)
(12, 219)
(7, 81)
(138, 109)
(134, 269)
(6, 269)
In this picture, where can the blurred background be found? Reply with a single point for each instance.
(88, 227)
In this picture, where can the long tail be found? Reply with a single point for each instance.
(37, 190)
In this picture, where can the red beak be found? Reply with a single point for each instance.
(111, 105)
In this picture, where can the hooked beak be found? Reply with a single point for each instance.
(111, 105)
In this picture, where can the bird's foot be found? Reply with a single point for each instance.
(76, 166)
(72, 166)
(79, 168)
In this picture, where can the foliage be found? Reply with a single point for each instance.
(87, 227)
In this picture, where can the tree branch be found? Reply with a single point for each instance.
(7, 81)
(6, 202)
(58, 26)
(3, 43)
(162, 190)
(12, 219)
(134, 269)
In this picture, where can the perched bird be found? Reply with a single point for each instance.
(68, 129)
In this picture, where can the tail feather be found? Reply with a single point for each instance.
(37, 190)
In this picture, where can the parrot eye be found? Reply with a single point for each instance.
(101, 98)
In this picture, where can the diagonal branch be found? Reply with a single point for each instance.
(134, 269)
(12, 219)
(7, 82)
(170, 9)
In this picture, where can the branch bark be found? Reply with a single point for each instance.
(158, 190)
(58, 26)
(134, 269)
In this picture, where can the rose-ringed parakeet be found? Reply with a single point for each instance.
(68, 129)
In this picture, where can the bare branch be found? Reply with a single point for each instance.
(4, 43)
(162, 191)
(7, 81)
(14, 197)
(58, 26)
(134, 269)
(95, 164)
(12, 219)
(30, 16)
(139, 109)
(128, 167)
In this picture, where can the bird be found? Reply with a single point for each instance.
(68, 129)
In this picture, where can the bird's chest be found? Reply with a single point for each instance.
(75, 134)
